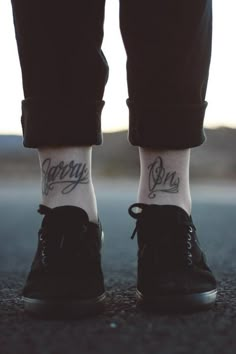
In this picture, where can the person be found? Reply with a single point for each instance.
(64, 73)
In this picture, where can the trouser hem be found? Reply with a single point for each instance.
(61, 122)
(166, 126)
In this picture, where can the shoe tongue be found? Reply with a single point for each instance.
(165, 214)
(162, 224)
(66, 216)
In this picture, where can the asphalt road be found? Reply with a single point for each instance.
(122, 328)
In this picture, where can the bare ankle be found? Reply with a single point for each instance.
(164, 178)
(66, 178)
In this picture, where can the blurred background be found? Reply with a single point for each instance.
(215, 159)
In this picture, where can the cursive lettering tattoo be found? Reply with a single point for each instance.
(70, 174)
(160, 180)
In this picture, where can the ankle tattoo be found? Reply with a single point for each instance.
(160, 180)
(70, 174)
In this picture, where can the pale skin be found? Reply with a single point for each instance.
(66, 178)
(164, 177)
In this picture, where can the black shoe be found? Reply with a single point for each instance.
(66, 278)
(172, 271)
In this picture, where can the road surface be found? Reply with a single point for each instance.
(122, 328)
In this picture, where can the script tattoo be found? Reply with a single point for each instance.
(160, 180)
(70, 174)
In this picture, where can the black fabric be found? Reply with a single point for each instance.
(170, 259)
(44, 123)
(67, 263)
(169, 126)
(64, 70)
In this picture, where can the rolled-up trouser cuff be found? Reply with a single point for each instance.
(166, 126)
(61, 122)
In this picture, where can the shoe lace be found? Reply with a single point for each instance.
(183, 245)
(44, 239)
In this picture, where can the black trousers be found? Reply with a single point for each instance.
(64, 71)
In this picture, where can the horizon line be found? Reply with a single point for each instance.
(113, 131)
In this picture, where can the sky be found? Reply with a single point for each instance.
(221, 92)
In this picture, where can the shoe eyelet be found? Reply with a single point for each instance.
(190, 229)
(42, 235)
(84, 228)
(189, 237)
(44, 261)
(190, 262)
(189, 245)
(43, 242)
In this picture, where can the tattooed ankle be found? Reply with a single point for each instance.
(69, 174)
(160, 180)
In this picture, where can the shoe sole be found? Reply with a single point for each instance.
(61, 308)
(177, 303)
